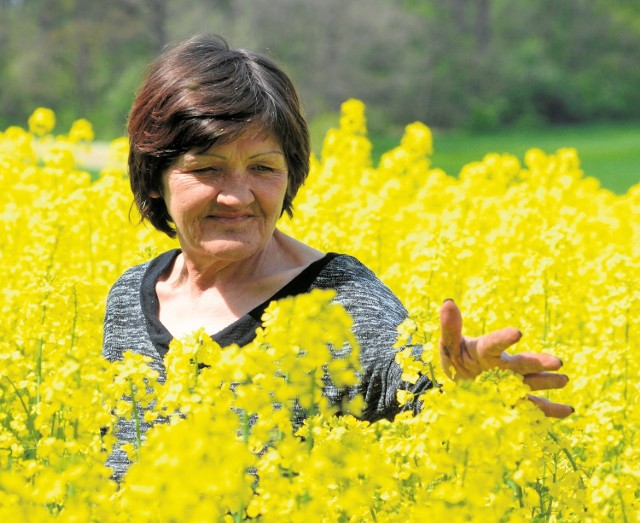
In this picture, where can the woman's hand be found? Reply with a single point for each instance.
(468, 357)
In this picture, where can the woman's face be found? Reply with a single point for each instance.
(225, 202)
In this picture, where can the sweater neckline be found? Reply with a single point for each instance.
(244, 326)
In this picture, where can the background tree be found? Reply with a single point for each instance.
(450, 63)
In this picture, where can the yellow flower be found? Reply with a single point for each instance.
(404, 397)
(418, 138)
(529, 242)
(352, 118)
(42, 121)
(81, 131)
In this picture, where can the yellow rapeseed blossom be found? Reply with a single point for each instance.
(534, 244)
(81, 131)
(42, 121)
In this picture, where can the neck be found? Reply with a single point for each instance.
(199, 274)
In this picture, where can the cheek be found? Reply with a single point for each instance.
(186, 195)
(276, 201)
(279, 190)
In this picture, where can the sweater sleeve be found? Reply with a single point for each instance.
(376, 314)
(125, 329)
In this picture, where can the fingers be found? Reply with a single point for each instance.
(530, 362)
(450, 338)
(550, 409)
(494, 343)
(450, 327)
(546, 380)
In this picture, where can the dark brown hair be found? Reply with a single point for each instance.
(200, 93)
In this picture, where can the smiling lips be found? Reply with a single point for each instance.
(229, 218)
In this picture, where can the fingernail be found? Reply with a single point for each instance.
(572, 410)
(448, 299)
(561, 362)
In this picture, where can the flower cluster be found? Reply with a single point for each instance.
(244, 433)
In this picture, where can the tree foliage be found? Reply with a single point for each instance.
(478, 63)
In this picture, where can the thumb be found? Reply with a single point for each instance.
(450, 327)
(450, 335)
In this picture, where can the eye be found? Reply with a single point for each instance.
(205, 170)
(263, 168)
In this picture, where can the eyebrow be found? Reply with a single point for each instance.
(253, 156)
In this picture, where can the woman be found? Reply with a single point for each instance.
(219, 149)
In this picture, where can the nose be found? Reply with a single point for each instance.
(235, 191)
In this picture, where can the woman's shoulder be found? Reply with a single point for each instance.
(133, 276)
(354, 281)
(364, 296)
(344, 269)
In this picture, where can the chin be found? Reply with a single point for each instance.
(229, 249)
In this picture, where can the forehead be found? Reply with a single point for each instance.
(249, 140)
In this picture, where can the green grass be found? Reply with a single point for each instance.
(609, 152)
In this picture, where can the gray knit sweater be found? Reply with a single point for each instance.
(131, 322)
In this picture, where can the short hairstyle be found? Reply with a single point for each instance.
(202, 92)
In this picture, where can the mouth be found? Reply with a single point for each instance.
(229, 219)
